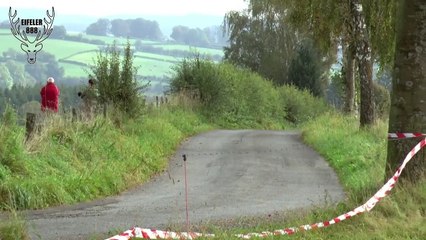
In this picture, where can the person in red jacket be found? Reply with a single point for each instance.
(50, 96)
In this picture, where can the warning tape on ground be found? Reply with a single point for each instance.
(366, 207)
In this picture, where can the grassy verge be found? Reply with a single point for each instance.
(72, 162)
(358, 156)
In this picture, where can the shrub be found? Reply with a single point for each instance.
(305, 69)
(233, 96)
(117, 81)
(300, 106)
(381, 100)
(239, 97)
(13, 227)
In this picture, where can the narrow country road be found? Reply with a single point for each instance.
(230, 174)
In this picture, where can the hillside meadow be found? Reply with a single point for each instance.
(75, 57)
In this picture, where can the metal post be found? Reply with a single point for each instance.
(186, 194)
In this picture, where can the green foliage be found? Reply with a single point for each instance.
(136, 28)
(19, 96)
(305, 69)
(11, 147)
(13, 72)
(232, 96)
(99, 28)
(357, 155)
(6, 79)
(336, 90)
(117, 81)
(382, 101)
(238, 97)
(301, 106)
(13, 228)
(261, 40)
(380, 16)
(59, 33)
(314, 18)
(190, 36)
(323, 21)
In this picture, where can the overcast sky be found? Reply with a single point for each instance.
(101, 8)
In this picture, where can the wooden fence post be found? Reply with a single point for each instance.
(156, 99)
(29, 125)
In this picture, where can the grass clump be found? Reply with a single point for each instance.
(13, 227)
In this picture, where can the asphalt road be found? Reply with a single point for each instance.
(230, 174)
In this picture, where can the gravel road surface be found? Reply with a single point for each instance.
(230, 174)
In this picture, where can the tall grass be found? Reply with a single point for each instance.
(14, 227)
(357, 155)
(68, 162)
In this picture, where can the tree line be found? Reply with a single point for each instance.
(275, 37)
(140, 28)
(27, 98)
(13, 71)
(296, 42)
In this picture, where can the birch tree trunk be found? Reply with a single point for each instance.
(408, 106)
(365, 68)
(348, 67)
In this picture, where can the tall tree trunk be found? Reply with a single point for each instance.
(365, 67)
(408, 107)
(348, 69)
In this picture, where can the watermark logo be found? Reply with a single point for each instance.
(31, 32)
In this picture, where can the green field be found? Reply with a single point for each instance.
(84, 57)
(110, 40)
(201, 50)
(149, 67)
(73, 70)
(8, 41)
(149, 64)
(158, 57)
(4, 31)
(62, 48)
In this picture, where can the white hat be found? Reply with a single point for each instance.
(51, 80)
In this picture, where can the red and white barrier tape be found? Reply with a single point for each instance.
(398, 135)
(366, 207)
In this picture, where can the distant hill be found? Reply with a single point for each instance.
(78, 23)
(168, 22)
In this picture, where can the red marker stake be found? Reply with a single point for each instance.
(186, 194)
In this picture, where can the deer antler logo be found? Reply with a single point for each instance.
(31, 47)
